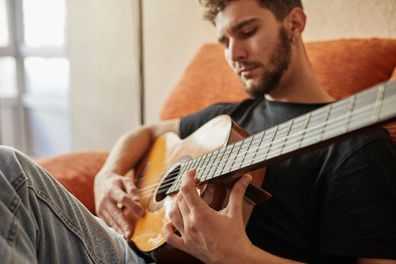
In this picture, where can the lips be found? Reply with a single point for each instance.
(246, 71)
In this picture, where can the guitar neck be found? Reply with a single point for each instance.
(370, 107)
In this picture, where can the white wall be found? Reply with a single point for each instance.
(174, 31)
(103, 52)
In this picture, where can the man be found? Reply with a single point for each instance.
(309, 223)
(325, 204)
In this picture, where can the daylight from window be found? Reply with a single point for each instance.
(44, 22)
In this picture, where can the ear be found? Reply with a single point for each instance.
(295, 21)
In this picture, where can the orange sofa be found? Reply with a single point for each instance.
(343, 67)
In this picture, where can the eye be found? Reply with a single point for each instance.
(248, 33)
(224, 42)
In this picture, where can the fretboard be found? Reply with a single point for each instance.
(372, 106)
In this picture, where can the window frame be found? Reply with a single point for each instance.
(19, 51)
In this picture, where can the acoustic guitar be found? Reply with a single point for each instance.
(221, 152)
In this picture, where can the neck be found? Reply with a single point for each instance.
(299, 83)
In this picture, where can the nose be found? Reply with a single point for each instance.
(235, 52)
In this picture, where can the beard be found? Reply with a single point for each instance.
(279, 63)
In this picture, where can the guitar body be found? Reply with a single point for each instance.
(163, 157)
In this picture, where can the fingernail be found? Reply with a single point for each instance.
(247, 179)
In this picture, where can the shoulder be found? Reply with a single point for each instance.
(191, 122)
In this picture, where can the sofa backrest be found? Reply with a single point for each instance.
(343, 67)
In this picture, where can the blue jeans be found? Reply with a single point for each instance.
(41, 222)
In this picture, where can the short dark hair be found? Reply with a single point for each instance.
(280, 8)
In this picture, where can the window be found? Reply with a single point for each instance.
(35, 76)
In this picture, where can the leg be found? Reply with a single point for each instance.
(43, 223)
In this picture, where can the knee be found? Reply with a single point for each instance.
(10, 160)
(7, 152)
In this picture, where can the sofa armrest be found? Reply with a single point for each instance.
(76, 172)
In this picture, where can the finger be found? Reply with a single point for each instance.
(120, 219)
(172, 238)
(131, 189)
(189, 192)
(106, 216)
(183, 207)
(122, 198)
(176, 218)
(235, 202)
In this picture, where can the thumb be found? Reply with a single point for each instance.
(235, 201)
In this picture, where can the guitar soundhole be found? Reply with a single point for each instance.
(167, 183)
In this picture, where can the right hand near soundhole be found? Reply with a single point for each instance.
(117, 202)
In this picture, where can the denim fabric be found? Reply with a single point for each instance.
(41, 222)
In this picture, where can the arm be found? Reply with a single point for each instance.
(211, 236)
(219, 237)
(116, 196)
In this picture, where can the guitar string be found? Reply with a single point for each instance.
(289, 139)
(171, 177)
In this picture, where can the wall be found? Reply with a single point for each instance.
(104, 69)
(174, 31)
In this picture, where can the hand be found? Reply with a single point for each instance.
(117, 202)
(211, 236)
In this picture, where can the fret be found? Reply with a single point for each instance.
(259, 146)
(215, 163)
(278, 140)
(256, 141)
(378, 103)
(233, 156)
(325, 121)
(198, 164)
(267, 142)
(195, 163)
(388, 110)
(201, 166)
(363, 109)
(336, 119)
(244, 151)
(295, 131)
(287, 136)
(220, 162)
(209, 171)
(224, 159)
(348, 114)
(176, 183)
(306, 123)
(205, 166)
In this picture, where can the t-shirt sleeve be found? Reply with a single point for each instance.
(359, 209)
(190, 123)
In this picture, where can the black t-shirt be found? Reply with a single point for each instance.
(328, 206)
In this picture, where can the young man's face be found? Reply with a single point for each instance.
(256, 45)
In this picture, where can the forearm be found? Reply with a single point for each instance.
(131, 147)
(127, 151)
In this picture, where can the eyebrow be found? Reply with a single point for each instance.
(237, 27)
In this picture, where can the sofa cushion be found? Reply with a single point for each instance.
(76, 172)
(343, 67)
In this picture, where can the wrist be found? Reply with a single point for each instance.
(240, 253)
